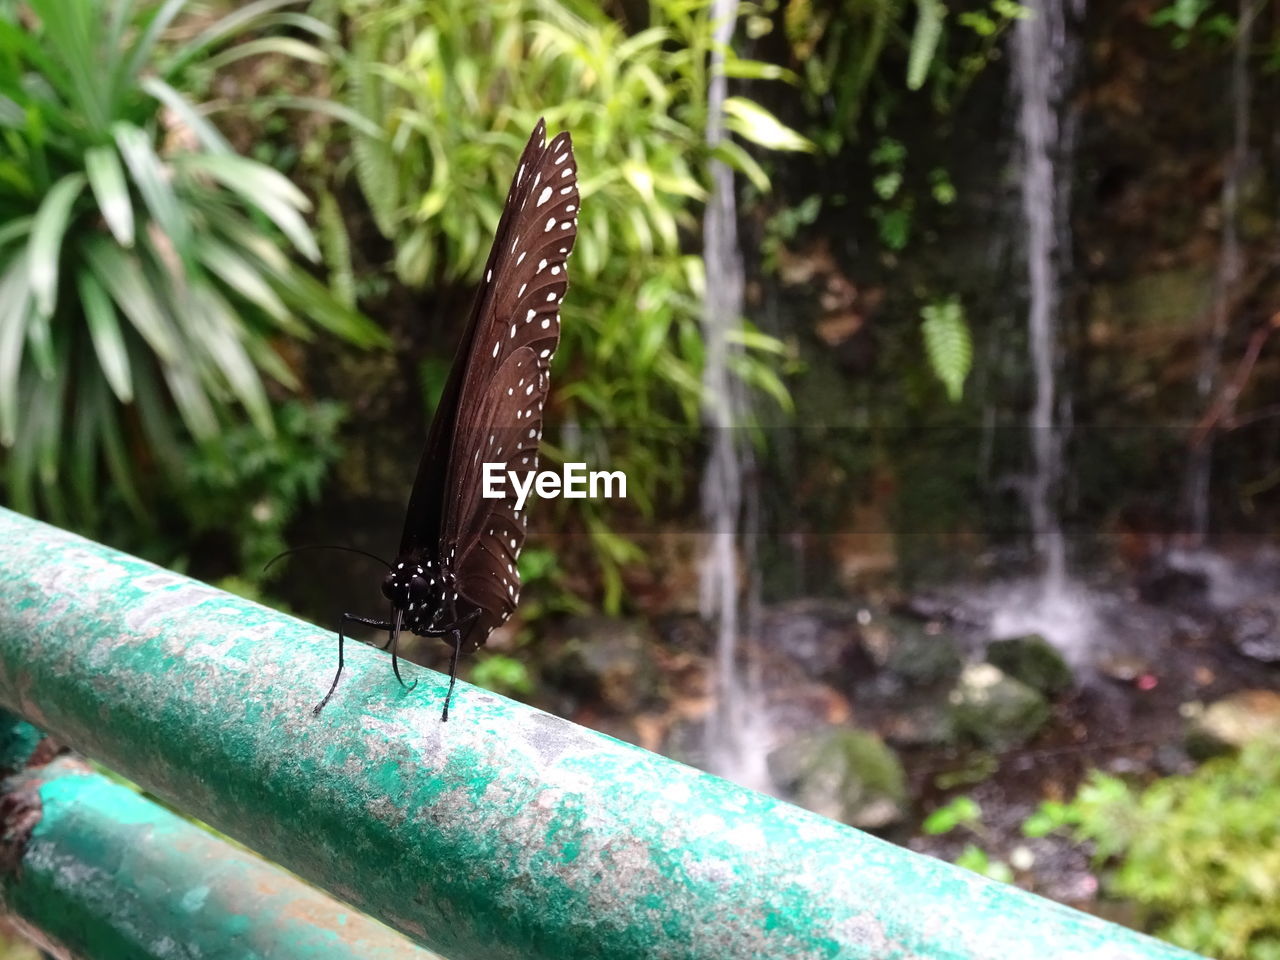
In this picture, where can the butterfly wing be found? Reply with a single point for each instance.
(424, 517)
(506, 382)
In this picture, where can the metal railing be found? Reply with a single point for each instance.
(505, 833)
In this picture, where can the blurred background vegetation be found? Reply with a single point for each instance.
(237, 242)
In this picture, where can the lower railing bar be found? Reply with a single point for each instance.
(91, 869)
(505, 834)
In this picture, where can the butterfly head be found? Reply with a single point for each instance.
(411, 586)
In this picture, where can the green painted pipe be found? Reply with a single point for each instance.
(92, 869)
(505, 834)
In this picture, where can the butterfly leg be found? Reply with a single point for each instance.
(343, 621)
(456, 630)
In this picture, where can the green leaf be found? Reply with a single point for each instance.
(145, 45)
(15, 298)
(352, 118)
(757, 70)
(123, 278)
(108, 340)
(15, 228)
(238, 20)
(261, 187)
(151, 178)
(732, 154)
(106, 179)
(962, 811)
(47, 231)
(753, 122)
(218, 333)
(205, 131)
(924, 41)
(948, 345)
(280, 46)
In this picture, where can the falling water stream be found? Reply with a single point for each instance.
(1040, 67)
(737, 736)
(1043, 55)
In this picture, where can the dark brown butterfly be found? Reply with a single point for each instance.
(455, 575)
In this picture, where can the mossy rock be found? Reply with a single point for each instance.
(1034, 661)
(995, 710)
(846, 774)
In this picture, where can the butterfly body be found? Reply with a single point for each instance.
(455, 574)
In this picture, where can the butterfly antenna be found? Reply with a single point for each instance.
(395, 638)
(324, 546)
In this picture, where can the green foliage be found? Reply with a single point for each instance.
(960, 812)
(139, 266)
(965, 813)
(947, 344)
(1189, 19)
(924, 41)
(979, 861)
(851, 56)
(503, 674)
(1201, 853)
(455, 87)
(247, 487)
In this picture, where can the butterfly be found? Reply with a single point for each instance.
(455, 575)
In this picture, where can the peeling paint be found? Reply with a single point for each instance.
(506, 833)
(108, 874)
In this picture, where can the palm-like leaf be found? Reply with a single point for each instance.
(139, 256)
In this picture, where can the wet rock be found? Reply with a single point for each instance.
(922, 654)
(1034, 661)
(1164, 584)
(1233, 722)
(608, 661)
(842, 773)
(1254, 630)
(822, 638)
(994, 709)
(925, 723)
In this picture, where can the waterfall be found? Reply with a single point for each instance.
(1041, 71)
(737, 736)
(1043, 55)
(1227, 279)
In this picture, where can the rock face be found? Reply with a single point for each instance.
(1034, 661)
(994, 709)
(842, 773)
